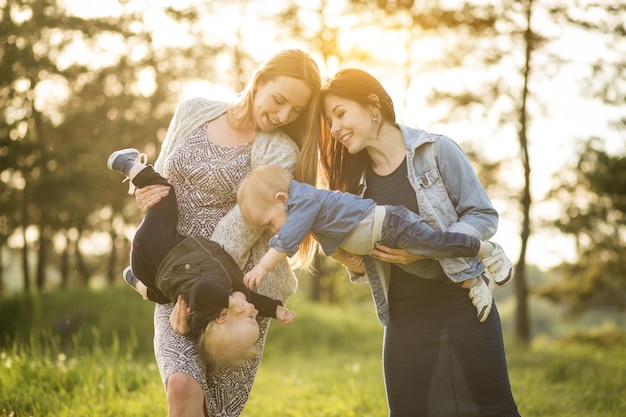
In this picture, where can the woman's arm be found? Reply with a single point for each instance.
(472, 204)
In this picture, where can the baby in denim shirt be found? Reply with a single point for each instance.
(270, 198)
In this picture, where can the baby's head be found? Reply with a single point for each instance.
(231, 339)
(262, 196)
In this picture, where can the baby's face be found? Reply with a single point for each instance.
(270, 216)
(242, 319)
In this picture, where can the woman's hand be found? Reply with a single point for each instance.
(351, 261)
(354, 263)
(178, 318)
(150, 195)
(394, 255)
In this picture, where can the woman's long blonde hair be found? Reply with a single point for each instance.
(305, 130)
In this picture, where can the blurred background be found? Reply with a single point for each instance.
(534, 91)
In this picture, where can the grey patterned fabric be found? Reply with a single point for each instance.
(205, 177)
(225, 391)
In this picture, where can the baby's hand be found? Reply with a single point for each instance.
(253, 279)
(284, 315)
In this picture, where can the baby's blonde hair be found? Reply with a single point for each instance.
(259, 187)
(220, 347)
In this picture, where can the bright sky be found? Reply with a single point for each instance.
(569, 117)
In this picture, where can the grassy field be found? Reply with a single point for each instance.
(89, 354)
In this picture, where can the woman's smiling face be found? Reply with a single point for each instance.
(279, 101)
(350, 123)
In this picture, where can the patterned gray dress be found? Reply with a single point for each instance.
(205, 177)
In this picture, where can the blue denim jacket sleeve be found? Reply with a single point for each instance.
(303, 207)
(477, 216)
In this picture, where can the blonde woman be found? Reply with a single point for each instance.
(209, 148)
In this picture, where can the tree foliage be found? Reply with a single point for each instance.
(593, 190)
(593, 193)
(73, 89)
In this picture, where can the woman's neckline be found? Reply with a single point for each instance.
(393, 172)
(217, 129)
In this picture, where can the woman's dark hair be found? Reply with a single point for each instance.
(343, 170)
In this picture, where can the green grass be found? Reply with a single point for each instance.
(571, 377)
(326, 363)
(97, 383)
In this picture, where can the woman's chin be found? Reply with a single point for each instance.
(266, 125)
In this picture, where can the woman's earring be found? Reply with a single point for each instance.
(374, 120)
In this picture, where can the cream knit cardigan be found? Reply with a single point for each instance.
(245, 244)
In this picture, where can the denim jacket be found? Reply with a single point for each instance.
(449, 196)
(329, 216)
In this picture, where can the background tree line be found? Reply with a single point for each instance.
(75, 86)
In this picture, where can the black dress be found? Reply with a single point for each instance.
(438, 359)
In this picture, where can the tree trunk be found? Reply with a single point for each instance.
(111, 269)
(522, 325)
(2, 246)
(81, 266)
(64, 263)
(42, 258)
(25, 272)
